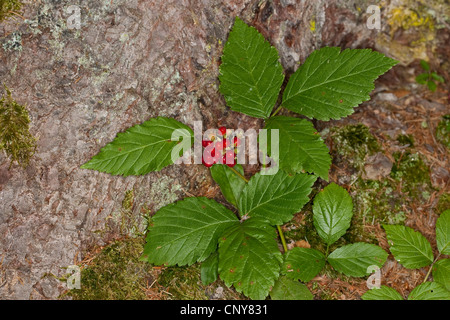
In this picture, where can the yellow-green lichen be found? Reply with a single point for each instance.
(15, 138)
(415, 23)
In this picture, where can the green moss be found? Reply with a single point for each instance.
(115, 273)
(376, 202)
(404, 139)
(15, 138)
(354, 142)
(443, 131)
(184, 283)
(7, 7)
(443, 203)
(411, 170)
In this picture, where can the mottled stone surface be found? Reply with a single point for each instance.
(129, 61)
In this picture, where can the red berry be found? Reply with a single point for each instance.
(219, 146)
(226, 143)
(207, 163)
(229, 158)
(206, 143)
(236, 141)
(208, 160)
(223, 130)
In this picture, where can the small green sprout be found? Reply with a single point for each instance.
(428, 77)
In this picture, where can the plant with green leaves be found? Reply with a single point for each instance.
(241, 245)
(428, 77)
(412, 250)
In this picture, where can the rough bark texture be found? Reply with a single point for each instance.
(130, 61)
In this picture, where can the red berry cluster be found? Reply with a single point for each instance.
(220, 150)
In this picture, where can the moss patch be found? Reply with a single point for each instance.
(354, 143)
(443, 131)
(184, 283)
(15, 138)
(8, 7)
(115, 273)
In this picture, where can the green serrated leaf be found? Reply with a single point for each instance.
(383, 293)
(275, 197)
(437, 77)
(443, 232)
(288, 289)
(425, 65)
(422, 78)
(143, 148)
(432, 86)
(429, 291)
(186, 231)
(301, 147)
(410, 248)
(333, 211)
(331, 83)
(302, 263)
(230, 184)
(249, 258)
(441, 273)
(209, 269)
(250, 73)
(355, 259)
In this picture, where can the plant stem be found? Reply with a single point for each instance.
(283, 240)
(276, 111)
(326, 252)
(238, 174)
(431, 268)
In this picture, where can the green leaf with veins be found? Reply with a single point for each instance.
(250, 73)
(249, 258)
(331, 83)
(333, 211)
(186, 231)
(275, 197)
(300, 146)
(140, 149)
(410, 248)
(355, 259)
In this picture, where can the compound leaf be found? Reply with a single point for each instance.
(230, 184)
(443, 232)
(301, 147)
(332, 212)
(275, 197)
(302, 263)
(140, 149)
(355, 259)
(441, 273)
(429, 291)
(331, 83)
(250, 74)
(382, 293)
(186, 231)
(249, 258)
(288, 289)
(410, 248)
